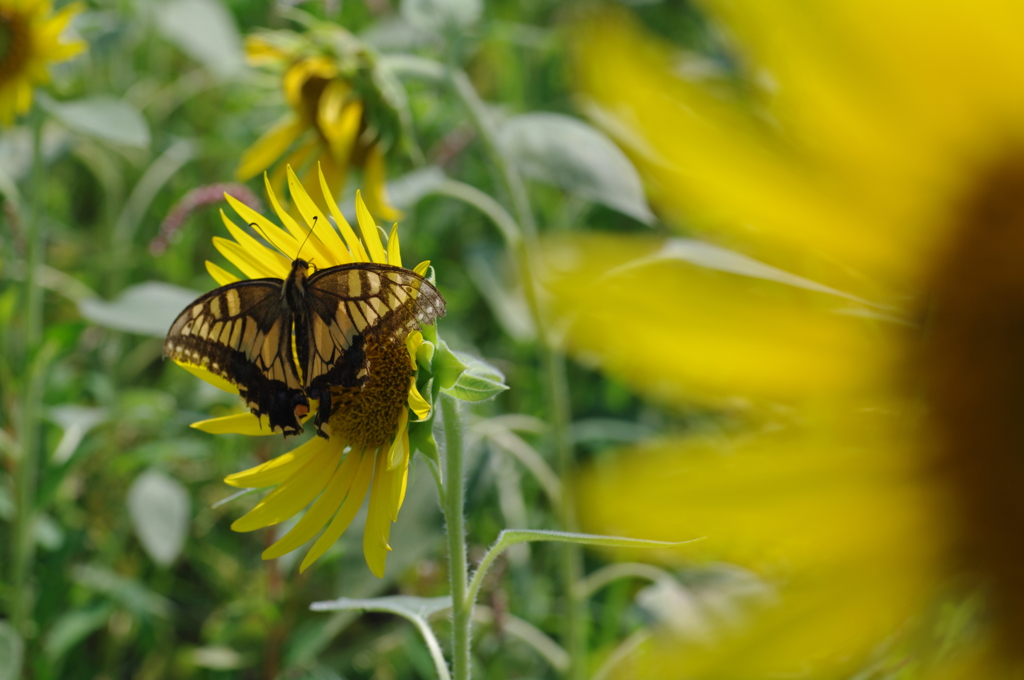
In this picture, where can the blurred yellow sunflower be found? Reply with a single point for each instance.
(30, 40)
(368, 450)
(872, 163)
(339, 116)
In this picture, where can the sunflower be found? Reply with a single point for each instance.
(870, 157)
(368, 448)
(30, 40)
(340, 116)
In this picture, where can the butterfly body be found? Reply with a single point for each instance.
(243, 332)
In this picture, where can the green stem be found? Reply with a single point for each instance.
(454, 508)
(522, 241)
(23, 547)
(525, 249)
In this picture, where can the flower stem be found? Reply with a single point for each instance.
(525, 249)
(454, 508)
(23, 545)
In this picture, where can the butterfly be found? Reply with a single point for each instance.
(243, 333)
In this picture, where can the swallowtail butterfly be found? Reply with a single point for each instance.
(243, 332)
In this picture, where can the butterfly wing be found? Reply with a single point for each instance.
(243, 333)
(349, 303)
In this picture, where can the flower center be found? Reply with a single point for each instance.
(974, 358)
(367, 416)
(15, 44)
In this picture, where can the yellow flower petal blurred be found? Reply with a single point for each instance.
(888, 482)
(31, 40)
(342, 126)
(271, 145)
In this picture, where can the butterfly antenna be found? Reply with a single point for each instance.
(308, 234)
(264, 235)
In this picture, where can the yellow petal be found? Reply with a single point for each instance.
(273, 233)
(684, 332)
(848, 526)
(334, 175)
(297, 75)
(243, 423)
(212, 378)
(397, 453)
(339, 122)
(368, 228)
(276, 470)
(325, 239)
(378, 519)
(238, 423)
(220, 275)
(296, 491)
(320, 512)
(401, 478)
(394, 250)
(269, 147)
(287, 220)
(419, 405)
(346, 513)
(376, 189)
(412, 345)
(260, 52)
(354, 245)
(269, 260)
(422, 268)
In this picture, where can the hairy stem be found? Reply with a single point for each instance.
(525, 249)
(454, 502)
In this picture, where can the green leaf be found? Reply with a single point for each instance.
(513, 536)
(12, 650)
(407, 606)
(159, 509)
(112, 120)
(510, 537)
(129, 592)
(204, 30)
(414, 609)
(441, 16)
(448, 368)
(479, 381)
(147, 308)
(421, 438)
(74, 626)
(567, 152)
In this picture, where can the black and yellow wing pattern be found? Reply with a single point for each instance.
(349, 305)
(244, 333)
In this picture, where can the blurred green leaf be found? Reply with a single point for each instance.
(101, 116)
(74, 626)
(407, 606)
(414, 609)
(146, 308)
(129, 592)
(12, 649)
(76, 421)
(204, 30)
(218, 658)
(567, 152)
(159, 510)
(442, 16)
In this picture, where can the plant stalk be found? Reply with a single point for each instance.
(454, 512)
(33, 362)
(526, 250)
